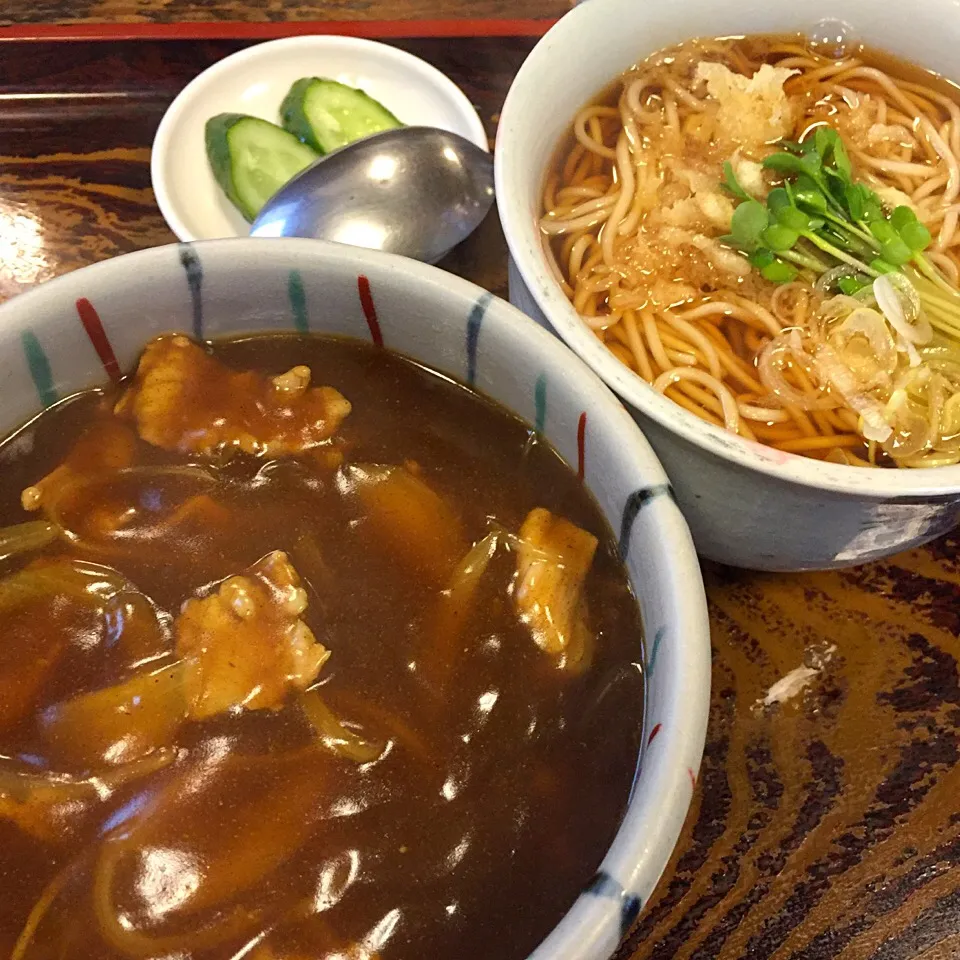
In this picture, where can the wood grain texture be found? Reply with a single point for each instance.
(826, 826)
(193, 11)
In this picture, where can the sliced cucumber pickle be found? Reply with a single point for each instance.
(328, 115)
(253, 158)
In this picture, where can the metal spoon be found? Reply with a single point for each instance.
(416, 191)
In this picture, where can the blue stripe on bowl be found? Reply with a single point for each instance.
(635, 503)
(194, 270)
(603, 885)
(474, 322)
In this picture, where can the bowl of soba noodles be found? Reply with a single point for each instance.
(340, 606)
(745, 217)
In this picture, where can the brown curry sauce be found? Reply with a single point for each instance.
(504, 777)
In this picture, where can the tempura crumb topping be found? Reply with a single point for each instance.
(753, 110)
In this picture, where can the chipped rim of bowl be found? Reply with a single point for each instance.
(660, 549)
(524, 242)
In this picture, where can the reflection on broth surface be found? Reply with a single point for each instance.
(302, 672)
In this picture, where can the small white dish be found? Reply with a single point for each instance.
(255, 81)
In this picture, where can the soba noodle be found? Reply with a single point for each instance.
(636, 224)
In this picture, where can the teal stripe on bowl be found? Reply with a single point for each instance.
(39, 365)
(654, 650)
(540, 403)
(298, 301)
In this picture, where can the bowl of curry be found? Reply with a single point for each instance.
(346, 616)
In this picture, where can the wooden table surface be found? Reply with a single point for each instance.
(69, 12)
(824, 826)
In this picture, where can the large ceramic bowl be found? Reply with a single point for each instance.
(89, 326)
(747, 504)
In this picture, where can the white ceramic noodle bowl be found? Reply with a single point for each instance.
(50, 347)
(747, 504)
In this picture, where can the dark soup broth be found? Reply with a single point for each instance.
(296, 671)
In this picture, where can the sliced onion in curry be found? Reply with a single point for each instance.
(27, 537)
(121, 723)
